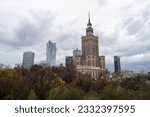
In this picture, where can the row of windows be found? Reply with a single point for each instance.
(91, 57)
(87, 49)
(93, 63)
(93, 73)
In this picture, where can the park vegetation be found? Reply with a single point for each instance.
(64, 83)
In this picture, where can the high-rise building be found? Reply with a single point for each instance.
(28, 59)
(117, 65)
(51, 53)
(90, 62)
(76, 53)
(90, 48)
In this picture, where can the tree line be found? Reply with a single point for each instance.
(65, 83)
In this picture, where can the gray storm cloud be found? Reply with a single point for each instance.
(29, 26)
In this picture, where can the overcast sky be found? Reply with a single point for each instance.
(123, 28)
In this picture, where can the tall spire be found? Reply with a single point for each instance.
(89, 23)
(89, 29)
(89, 16)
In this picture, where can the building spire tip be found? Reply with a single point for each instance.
(89, 23)
(89, 15)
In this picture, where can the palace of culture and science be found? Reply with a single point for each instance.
(89, 62)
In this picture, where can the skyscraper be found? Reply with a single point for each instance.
(90, 47)
(28, 59)
(90, 62)
(76, 53)
(51, 53)
(117, 65)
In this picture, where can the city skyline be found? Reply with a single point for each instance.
(122, 27)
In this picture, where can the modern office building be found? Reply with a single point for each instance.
(28, 60)
(90, 62)
(76, 53)
(117, 65)
(51, 53)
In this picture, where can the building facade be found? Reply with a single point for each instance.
(90, 62)
(102, 62)
(117, 65)
(127, 74)
(28, 60)
(51, 53)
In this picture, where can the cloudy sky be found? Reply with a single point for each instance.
(123, 28)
